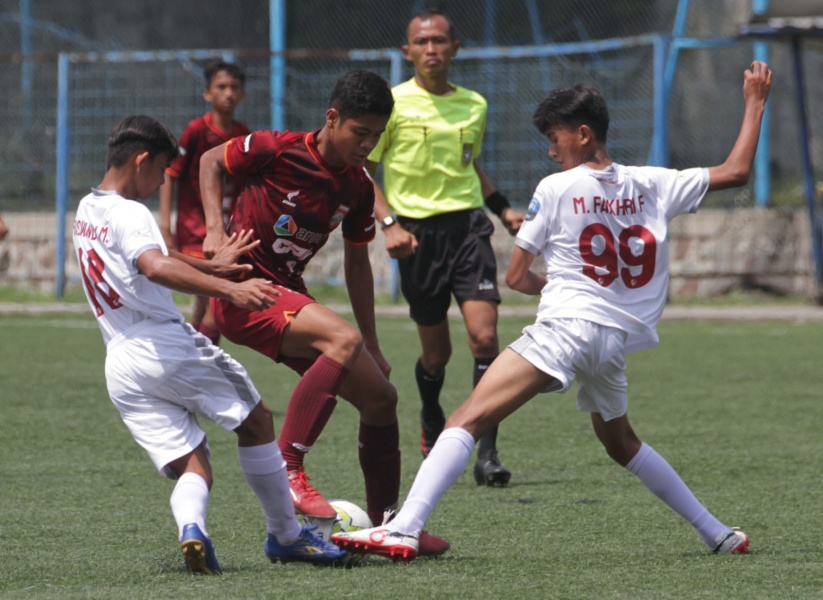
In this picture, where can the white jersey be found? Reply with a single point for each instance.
(604, 237)
(110, 233)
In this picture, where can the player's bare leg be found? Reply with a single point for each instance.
(375, 398)
(332, 346)
(509, 383)
(429, 373)
(625, 448)
(480, 317)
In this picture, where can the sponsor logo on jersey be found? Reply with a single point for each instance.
(289, 197)
(485, 285)
(181, 150)
(534, 207)
(312, 237)
(285, 226)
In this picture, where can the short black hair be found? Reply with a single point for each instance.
(582, 104)
(359, 93)
(139, 133)
(428, 13)
(233, 69)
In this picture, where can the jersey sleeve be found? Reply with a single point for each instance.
(141, 233)
(532, 235)
(358, 224)
(251, 153)
(682, 191)
(187, 148)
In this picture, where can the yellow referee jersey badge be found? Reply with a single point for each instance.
(467, 153)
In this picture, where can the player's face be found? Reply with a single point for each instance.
(224, 93)
(151, 173)
(429, 46)
(353, 139)
(568, 146)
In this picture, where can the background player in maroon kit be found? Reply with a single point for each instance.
(298, 188)
(224, 90)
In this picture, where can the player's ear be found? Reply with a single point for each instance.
(585, 133)
(140, 158)
(405, 49)
(455, 46)
(332, 118)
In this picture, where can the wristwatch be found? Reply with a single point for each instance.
(387, 222)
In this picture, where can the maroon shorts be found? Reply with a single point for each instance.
(262, 330)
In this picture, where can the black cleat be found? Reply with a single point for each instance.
(430, 430)
(489, 471)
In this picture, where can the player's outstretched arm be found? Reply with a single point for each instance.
(737, 168)
(519, 277)
(255, 294)
(212, 170)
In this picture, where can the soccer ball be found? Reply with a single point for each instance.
(350, 517)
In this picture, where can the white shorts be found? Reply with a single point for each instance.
(593, 354)
(160, 376)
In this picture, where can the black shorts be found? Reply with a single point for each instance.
(454, 256)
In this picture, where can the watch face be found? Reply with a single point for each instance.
(387, 221)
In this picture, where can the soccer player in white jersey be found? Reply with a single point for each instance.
(160, 372)
(602, 230)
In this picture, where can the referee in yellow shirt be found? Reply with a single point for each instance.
(441, 235)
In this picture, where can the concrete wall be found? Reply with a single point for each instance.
(712, 253)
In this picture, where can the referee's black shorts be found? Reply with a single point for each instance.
(454, 256)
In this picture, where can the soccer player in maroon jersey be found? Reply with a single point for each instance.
(298, 188)
(224, 91)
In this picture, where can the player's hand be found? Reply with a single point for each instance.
(213, 241)
(757, 81)
(254, 294)
(224, 260)
(399, 242)
(512, 220)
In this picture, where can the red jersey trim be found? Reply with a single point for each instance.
(310, 139)
(209, 120)
(226, 159)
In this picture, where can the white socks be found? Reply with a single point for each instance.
(190, 502)
(265, 472)
(664, 482)
(445, 463)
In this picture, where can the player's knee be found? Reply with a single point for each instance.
(621, 451)
(381, 403)
(484, 342)
(346, 343)
(434, 362)
(258, 426)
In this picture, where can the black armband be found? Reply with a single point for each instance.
(497, 203)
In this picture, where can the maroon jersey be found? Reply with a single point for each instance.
(293, 200)
(199, 136)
